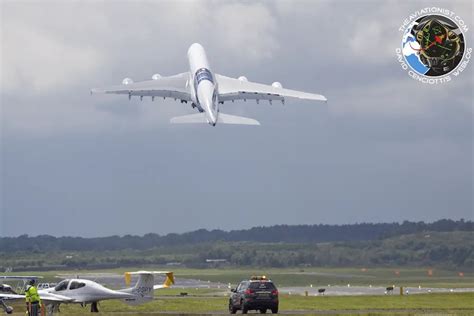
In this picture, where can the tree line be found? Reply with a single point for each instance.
(452, 250)
(272, 234)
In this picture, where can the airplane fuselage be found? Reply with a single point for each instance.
(204, 89)
(85, 291)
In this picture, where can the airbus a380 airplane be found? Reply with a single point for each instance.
(206, 90)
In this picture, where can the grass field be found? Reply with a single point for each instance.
(214, 301)
(339, 276)
(441, 304)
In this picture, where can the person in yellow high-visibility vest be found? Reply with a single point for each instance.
(33, 300)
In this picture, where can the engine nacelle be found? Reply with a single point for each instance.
(276, 84)
(156, 76)
(127, 81)
(243, 78)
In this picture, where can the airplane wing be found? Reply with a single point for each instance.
(11, 296)
(231, 89)
(176, 86)
(20, 277)
(48, 297)
(55, 298)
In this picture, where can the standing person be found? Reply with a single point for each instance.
(33, 301)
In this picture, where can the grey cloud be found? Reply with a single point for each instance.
(385, 148)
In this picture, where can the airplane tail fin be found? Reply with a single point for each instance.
(143, 289)
(222, 119)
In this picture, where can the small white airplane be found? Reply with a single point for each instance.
(206, 90)
(85, 292)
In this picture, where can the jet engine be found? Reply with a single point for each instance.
(156, 76)
(243, 78)
(276, 84)
(127, 81)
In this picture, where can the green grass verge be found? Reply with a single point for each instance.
(412, 277)
(318, 277)
(449, 303)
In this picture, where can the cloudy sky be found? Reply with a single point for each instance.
(385, 147)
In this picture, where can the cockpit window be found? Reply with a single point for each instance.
(61, 286)
(76, 285)
(203, 74)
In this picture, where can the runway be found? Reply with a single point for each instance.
(367, 290)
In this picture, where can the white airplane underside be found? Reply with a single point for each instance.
(206, 91)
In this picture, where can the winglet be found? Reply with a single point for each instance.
(169, 279)
(128, 278)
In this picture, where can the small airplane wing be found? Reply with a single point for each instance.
(48, 297)
(231, 89)
(11, 296)
(20, 277)
(176, 86)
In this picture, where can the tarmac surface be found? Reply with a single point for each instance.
(367, 290)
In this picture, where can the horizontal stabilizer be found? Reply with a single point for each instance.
(168, 281)
(233, 119)
(143, 290)
(221, 118)
(189, 119)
